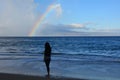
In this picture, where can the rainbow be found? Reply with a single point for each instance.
(41, 19)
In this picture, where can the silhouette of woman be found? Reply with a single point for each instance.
(47, 56)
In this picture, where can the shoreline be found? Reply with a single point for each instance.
(10, 76)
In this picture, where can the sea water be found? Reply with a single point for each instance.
(95, 58)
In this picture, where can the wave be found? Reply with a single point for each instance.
(79, 54)
(83, 62)
(25, 53)
(81, 58)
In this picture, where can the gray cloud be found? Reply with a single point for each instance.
(75, 30)
(62, 29)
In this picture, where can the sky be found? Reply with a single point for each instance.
(59, 17)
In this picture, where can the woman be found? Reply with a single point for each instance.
(47, 56)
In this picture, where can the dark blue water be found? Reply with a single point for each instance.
(106, 46)
(95, 57)
(74, 47)
(65, 48)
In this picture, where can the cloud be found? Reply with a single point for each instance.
(108, 30)
(74, 30)
(16, 17)
(77, 25)
(58, 10)
(62, 29)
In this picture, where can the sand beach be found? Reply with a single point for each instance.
(6, 76)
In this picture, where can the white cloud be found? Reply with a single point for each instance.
(76, 25)
(16, 17)
(58, 10)
(81, 25)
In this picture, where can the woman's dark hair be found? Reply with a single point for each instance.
(47, 48)
(47, 45)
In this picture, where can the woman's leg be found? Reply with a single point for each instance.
(47, 66)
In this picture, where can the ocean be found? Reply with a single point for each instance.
(95, 58)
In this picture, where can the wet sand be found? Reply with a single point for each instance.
(6, 76)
